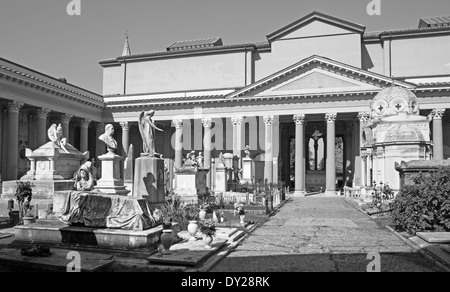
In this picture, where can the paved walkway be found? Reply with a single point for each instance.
(323, 235)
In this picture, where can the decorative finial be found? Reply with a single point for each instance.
(126, 48)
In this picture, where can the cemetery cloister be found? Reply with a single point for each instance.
(306, 102)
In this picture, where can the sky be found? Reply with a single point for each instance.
(41, 35)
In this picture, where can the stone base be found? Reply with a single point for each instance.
(331, 194)
(149, 179)
(299, 194)
(187, 253)
(38, 205)
(103, 237)
(43, 189)
(57, 262)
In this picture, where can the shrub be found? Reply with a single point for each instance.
(173, 211)
(424, 206)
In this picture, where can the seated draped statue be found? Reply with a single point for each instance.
(87, 207)
(55, 135)
(84, 180)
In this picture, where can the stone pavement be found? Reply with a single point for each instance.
(319, 234)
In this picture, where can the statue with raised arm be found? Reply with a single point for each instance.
(107, 137)
(147, 129)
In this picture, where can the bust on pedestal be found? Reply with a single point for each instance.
(111, 182)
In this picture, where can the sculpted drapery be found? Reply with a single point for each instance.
(147, 129)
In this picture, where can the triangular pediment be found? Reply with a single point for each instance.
(315, 24)
(318, 75)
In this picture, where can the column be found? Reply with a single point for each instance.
(13, 140)
(237, 135)
(178, 145)
(299, 155)
(207, 123)
(331, 155)
(125, 137)
(360, 165)
(438, 142)
(65, 120)
(42, 115)
(275, 148)
(363, 170)
(268, 155)
(100, 147)
(84, 135)
(32, 130)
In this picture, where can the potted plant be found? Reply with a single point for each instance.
(239, 211)
(24, 193)
(208, 228)
(203, 210)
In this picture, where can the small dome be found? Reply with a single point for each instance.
(394, 100)
(404, 133)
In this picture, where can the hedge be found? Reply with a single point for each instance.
(424, 206)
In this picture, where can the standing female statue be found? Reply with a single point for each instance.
(147, 129)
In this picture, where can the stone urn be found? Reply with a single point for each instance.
(208, 239)
(202, 214)
(167, 240)
(192, 229)
(241, 218)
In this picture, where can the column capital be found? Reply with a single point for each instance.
(65, 118)
(268, 120)
(15, 106)
(100, 127)
(42, 113)
(237, 120)
(363, 117)
(330, 117)
(207, 122)
(125, 126)
(437, 113)
(299, 119)
(85, 123)
(178, 123)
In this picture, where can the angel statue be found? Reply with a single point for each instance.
(55, 135)
(147, 129)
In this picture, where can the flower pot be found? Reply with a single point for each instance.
(28, 220)
(242, 217)
(207, 239)
(202, 214)
(192, 229)
(166, 240)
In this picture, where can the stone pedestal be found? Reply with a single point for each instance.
(248, 167)
(111, 182)
(186, 184)
(149, 179)
(128, 171)
(221, 180)
(200, 180)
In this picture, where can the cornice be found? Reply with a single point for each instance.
(36, 83)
